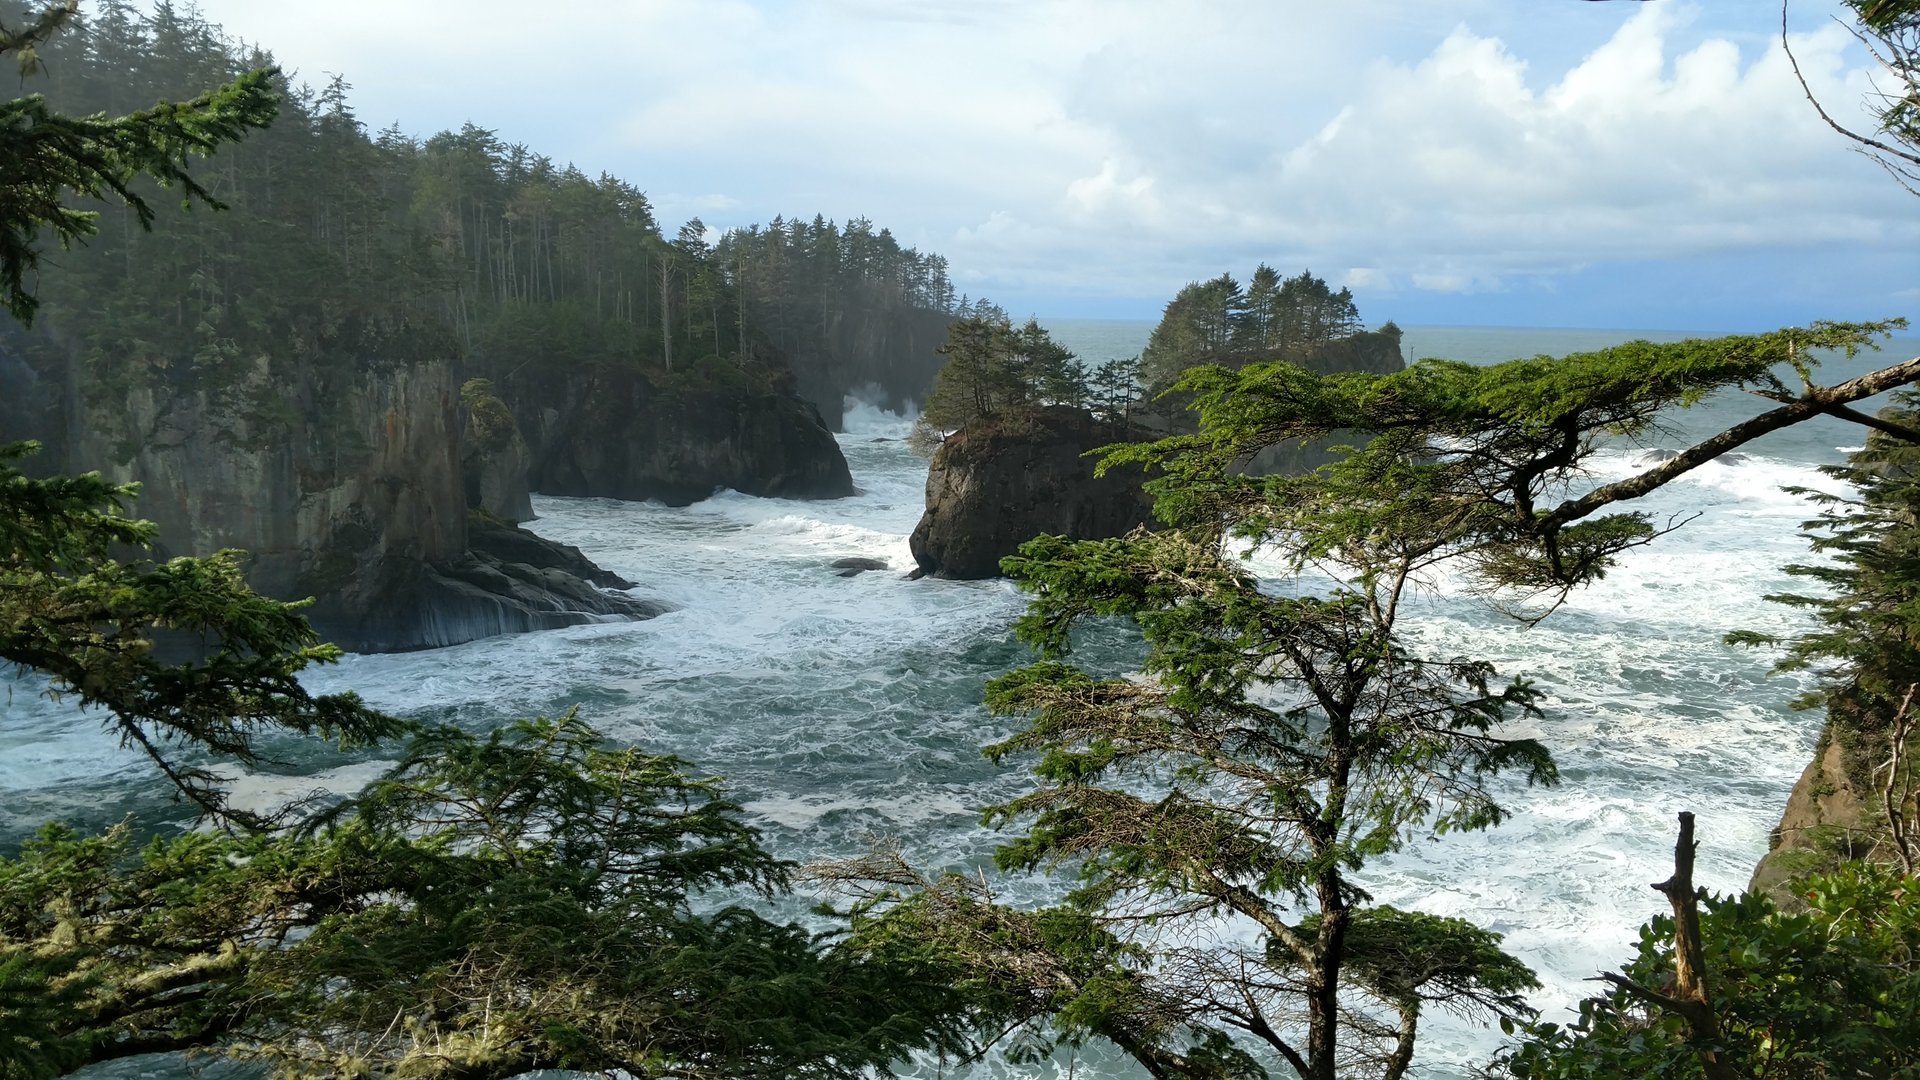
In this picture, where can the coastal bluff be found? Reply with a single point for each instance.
(996, 486)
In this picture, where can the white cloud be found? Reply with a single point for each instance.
(1122, 147)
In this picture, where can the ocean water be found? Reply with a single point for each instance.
(841, 709)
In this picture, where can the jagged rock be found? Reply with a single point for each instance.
(345, 508)
(494, 459)
(855, 566)
(510, 581)
(615, 434)
(1828, 817)
(362, 507)
(991, 489)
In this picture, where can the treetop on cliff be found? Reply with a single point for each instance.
(996, 372)
(1218, 322)
(50, 159)
(1277, 737)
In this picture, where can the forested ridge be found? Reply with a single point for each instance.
(538, 897)
(341, 246)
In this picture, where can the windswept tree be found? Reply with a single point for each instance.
(1276, 739)
(997, 373)
(531, 899)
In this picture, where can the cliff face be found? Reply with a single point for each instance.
(992, 489)
(1833, 814)
(615, 434)
(494, 459)
(352, 493)
(327, 509)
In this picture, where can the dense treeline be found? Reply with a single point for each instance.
(539, 899)
(1298, 319)
(342, 245)
(847, 306)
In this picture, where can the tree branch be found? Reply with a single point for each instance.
(1694, 1004)
(1818, 400)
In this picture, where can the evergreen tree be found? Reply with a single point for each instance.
(1214, 322)
(50, 158)
(1275, 741)
(490, 907)
(1114, 389)
(1198, 327)
(996, 374)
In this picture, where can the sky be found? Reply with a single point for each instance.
(1468, 162)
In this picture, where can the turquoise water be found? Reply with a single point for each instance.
(841, 709)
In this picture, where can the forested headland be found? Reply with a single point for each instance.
(282, 374)
(342, 245)
(1206, 803)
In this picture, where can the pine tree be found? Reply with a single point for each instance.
(1276, 740)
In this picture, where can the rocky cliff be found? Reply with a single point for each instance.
(617, 433)
(993, 488)
(494, 459)
(1834, 813)
(347, 487)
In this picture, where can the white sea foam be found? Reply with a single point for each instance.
(861, 417)
(843, 707)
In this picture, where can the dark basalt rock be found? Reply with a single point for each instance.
(991, 489)
(855, 566)
(361, 507)
(616, 434)
(510, 581)
(494, 459)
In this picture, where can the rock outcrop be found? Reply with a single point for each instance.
(1829, 817)
(508, 581)
(494, 459)
(351, 492)
(616, 434)
(991, 489)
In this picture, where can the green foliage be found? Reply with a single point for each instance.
(488, 414)
(1216, 322)
(1269, 747)
(1832, 991)
(1483, 457)
(998, 374)
(1279, 736)
(531, 899)
(52, 157)
(1864, 647)
(845, 304)
(1114, 390)
(341, 247)
(90, 622)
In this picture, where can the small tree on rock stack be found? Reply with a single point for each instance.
(1276, 739)
(997, 374)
